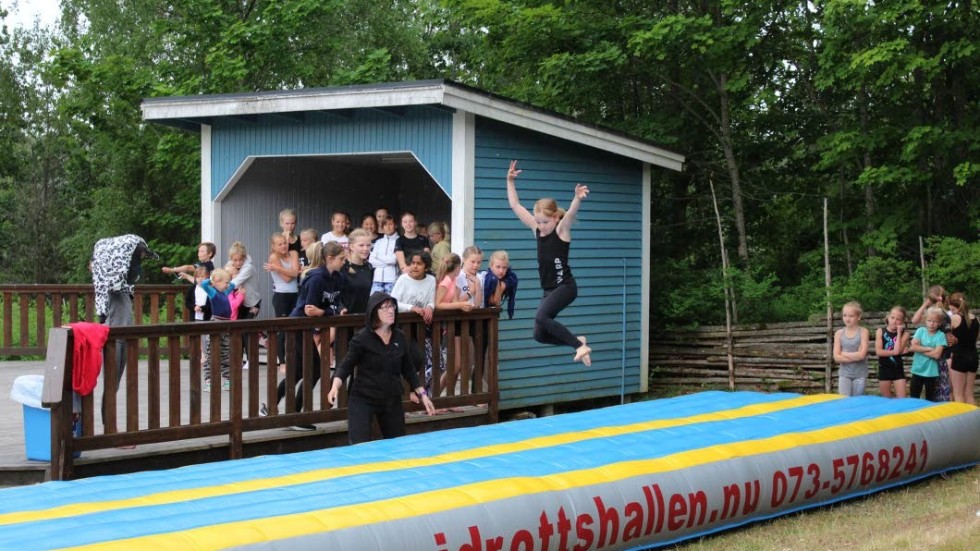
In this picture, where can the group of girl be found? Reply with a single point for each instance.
(338, 275)
(227, 293)
(384, 272)
(943, 350)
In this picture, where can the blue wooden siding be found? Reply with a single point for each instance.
(423, 131)
(607, 234)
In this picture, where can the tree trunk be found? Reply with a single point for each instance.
(843, 224)
(869, 192)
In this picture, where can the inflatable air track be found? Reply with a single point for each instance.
(626, 477)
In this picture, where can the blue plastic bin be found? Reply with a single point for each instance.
(37, 433)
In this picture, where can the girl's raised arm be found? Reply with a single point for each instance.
(564, 228)
(515, 204)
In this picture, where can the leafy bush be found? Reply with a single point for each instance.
(879, 283)
(954, 264)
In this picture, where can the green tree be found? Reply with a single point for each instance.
(123, 176)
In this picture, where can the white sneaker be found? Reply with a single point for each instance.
(245, 365)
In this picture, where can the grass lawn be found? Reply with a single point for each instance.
(941, 513)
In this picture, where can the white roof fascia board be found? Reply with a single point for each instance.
(286, 102)
(556, 126)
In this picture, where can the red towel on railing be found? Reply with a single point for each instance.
(87, 355)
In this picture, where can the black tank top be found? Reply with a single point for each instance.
(553, 268)
(889, 341)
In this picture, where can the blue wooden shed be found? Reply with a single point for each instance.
(441, 150)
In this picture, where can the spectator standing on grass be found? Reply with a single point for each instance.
(891, 342)
(936, 297)
(964, 362)
(928, 345)
(851, 352)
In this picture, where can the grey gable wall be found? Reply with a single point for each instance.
(315, 188)
(607, 233)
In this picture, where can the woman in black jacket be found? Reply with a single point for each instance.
(382, 357)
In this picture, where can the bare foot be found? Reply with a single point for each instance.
(582, 354)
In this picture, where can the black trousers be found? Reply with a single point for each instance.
(361, 411)
(919, 382)
(546, 329)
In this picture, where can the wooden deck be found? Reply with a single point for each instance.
(16, 469)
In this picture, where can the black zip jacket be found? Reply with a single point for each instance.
(378, 368)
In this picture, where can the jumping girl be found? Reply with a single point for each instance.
(552, 229)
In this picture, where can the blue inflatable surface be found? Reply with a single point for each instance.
(625, 477)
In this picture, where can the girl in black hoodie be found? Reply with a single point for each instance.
(382, 357)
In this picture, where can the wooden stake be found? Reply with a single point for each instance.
(830, 307)
(729, 298)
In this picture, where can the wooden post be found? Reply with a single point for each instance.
(729, 298)
(57, 395)
(830, 307)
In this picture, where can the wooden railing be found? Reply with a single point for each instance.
(169, 388)
(29, 311)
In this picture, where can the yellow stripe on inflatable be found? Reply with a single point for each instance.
(350, 516)
(176, 496)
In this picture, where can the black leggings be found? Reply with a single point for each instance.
(361, 411)
(546, 329)
(282, 305)
(297, 368)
